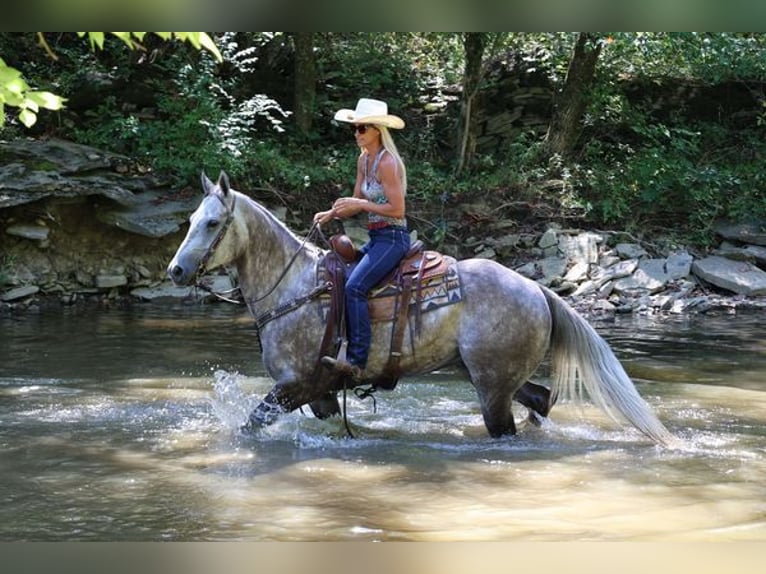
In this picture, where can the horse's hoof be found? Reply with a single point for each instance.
(248, 429)
(254, 423)
(535, 418)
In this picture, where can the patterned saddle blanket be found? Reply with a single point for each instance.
(434, 283)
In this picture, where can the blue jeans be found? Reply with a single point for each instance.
(382, 253)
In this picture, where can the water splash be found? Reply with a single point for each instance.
(230, 403)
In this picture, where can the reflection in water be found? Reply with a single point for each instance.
(123, 425)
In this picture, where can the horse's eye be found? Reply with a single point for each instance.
(212, 223)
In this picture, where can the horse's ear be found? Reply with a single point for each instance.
(207, 185)
(223, 182)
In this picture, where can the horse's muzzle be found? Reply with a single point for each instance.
(178, 275)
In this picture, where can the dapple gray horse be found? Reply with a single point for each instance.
(499, 333)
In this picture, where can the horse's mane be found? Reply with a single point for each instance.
(275, 222)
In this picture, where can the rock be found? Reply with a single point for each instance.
(19, 293)
(504, 244)
(218, 283)
(143, 271)
(754, 232)
(678, 265)
(655, 269)
(34, 232)
(751, 253)
(552, 268)
(737, 276)
(577, 273)
(603, 306)
(83, 278)
(35, 170)
(582, 247)
(486, 253)
(585, 288)
(549, 239)
(110, 281)
(638, 283)
(617, 271)
(630, 250)
(163, 291)
(529, 270)
(608, 259)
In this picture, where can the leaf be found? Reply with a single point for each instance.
(46, 100)
(27, 118)
(125, 37)
(191, 37)
(209, 45)
(8, 74)
(12, 98)
(96, 38)
(30, 104)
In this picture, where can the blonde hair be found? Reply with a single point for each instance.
(390, 146)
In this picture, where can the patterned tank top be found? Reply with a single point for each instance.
(372, 190)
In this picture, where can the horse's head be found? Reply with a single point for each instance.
(204, 247)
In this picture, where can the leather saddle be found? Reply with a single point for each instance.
(418, 262)
(390, 300)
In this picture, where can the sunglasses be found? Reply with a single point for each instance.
(361, 128)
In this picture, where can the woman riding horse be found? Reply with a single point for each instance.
(380, 190)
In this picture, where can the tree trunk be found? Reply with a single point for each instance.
(570, 103)
(474, 44)
(305, 80)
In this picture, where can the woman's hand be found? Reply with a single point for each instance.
(323, 217)
(348, 206)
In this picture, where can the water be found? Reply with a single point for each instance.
(121, 425)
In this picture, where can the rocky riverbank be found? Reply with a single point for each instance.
(79, 226)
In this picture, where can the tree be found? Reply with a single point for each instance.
(570, 103)
(305, 80)
(16, 92)
(474, 44)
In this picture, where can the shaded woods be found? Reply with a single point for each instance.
(656, 134)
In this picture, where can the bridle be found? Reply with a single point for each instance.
(219, 236)
(283, 309)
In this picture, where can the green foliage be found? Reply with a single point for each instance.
(641, 165)
(16, 92)
(367, 64)
(682, 177)
(197, 123)
(199, 40)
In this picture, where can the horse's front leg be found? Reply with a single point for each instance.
(286, 397)
(282, 398)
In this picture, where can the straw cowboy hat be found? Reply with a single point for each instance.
(370, 112)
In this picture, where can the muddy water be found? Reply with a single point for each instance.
(122, 425)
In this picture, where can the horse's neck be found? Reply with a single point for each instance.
(268, 250)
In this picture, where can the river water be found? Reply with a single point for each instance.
(122, 425)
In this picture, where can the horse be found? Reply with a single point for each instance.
(504, 326)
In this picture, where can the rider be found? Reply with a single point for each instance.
(380, 190)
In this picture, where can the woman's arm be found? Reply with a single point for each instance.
(388, 175)
(338, 210)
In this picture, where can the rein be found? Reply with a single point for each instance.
(281, 310)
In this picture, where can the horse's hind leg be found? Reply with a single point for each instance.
(495, 400)
(536, 398)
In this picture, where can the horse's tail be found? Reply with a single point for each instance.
(580, 357)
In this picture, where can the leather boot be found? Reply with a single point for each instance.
(344, 368)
